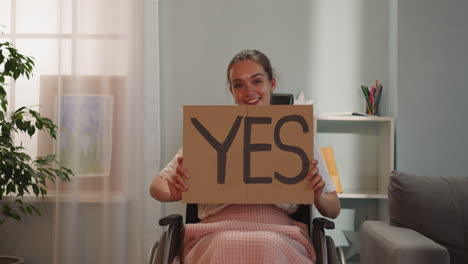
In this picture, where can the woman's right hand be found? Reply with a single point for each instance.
(177, 183)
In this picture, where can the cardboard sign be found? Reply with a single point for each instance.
(248, 154)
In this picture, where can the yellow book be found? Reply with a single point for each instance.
(329, 159)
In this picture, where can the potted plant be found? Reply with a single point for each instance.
(20, 174)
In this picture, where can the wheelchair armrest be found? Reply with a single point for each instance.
(174, 236)
(323, 223)
(173, 219)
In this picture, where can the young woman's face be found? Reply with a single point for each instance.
(250, 84)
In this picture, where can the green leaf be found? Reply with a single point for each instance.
(36, 210)
(46, 171)
(50, 158)
(19, 124)
(11, 188)
(40, 161)
(20, 110)
(9, 67)
(35, 190)
(10, 162)
(2, 90)
(39, 124)
(31, 131)
(35, 114)
(60, 174)
(47, 122)
(16, 75)
(2, 57)
(68, 170)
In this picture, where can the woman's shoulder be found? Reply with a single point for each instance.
(170, 168)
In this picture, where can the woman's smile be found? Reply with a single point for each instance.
(253, 101)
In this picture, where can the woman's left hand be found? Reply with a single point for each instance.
(316, 183)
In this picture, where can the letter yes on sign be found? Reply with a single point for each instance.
(248, 154)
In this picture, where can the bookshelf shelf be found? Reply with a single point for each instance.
(354, 118)
(361, 195)
(364, 152)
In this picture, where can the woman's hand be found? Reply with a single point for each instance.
(327, 204)
(316, 183)
(177, 183)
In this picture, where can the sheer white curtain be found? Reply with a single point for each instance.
(97, 78)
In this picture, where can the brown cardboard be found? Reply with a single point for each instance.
(201, 158)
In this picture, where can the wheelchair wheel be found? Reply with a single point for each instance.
(157, 253)
(152, 253)
(331, 251)
(341, 256)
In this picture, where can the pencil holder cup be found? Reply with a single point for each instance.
(372, 97)
(371, 111)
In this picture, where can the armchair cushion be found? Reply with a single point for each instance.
(386, 244)
(436, 207)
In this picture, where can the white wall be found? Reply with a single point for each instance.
(327, 48)
(432, 87)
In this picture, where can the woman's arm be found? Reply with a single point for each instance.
(170, 189)
(159, 189)
(327, 204)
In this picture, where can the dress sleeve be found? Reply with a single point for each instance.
(329, 186)
(170, 168)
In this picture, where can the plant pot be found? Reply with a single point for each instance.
(10, 260)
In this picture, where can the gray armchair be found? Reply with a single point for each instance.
(428, 222)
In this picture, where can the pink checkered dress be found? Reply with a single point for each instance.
(248, 234)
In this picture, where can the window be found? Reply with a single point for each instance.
(81, 50)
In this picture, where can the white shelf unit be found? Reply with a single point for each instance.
(364, 152)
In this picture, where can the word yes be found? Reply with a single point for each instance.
(248, 147)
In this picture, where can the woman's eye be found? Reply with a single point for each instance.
(258, 81)
(237, 86)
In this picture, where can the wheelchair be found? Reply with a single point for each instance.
(167, 248)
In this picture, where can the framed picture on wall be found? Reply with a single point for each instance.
(85, 138)
(84, 109)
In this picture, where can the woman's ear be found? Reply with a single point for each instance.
(273, 85)
(230, 90)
